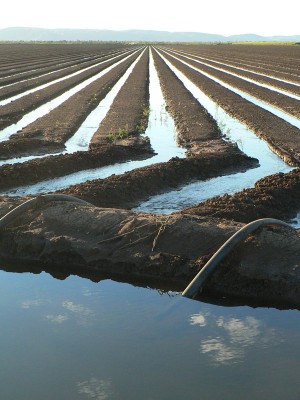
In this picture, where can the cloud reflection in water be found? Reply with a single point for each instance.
(94, 388)
(228, 339)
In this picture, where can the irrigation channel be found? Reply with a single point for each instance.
(75, 338)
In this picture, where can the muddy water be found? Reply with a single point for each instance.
(76, 339)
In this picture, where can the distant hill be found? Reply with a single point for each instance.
(40, 34)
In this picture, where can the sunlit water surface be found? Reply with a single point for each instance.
(76, 339)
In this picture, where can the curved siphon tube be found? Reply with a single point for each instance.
(37, 201)
(193, 288)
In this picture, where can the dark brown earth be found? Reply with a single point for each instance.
(282, 137)
(65, 69)
(53, 129)
(130, 189)
(20, 61)
(283, 102)
(36, 170)
(277, 60)
(129, 112)
(276, 196)
(12, 112)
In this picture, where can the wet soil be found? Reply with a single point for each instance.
(130, 189)
(165, 251)
(128, 115)
(52, 74)
(12, 112)
(280, 135)
(73, 238)
(276, 196)
(285, 103)
(52, 130)
(36, 170)
(193, 123)
(277, 60)
(263, 270)
(24, 60)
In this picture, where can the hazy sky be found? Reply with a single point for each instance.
(227, 17)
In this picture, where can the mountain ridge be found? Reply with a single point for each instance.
(45, 34)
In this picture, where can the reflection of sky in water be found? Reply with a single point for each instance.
(76, 339)
(233, 337)
(97, 389)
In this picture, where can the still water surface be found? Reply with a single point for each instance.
(76, 339)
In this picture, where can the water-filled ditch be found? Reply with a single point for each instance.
(77, 339)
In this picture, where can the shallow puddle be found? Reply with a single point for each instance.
(76, 339)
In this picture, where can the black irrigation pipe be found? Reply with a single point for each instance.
(195, 286)
(37, 202)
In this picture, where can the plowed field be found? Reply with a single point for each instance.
(48, 92)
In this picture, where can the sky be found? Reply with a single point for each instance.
(225, 17)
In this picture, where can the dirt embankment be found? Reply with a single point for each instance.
(167, 251)
(39, 169)
(130, 189)
(66, 238)
(276, 196)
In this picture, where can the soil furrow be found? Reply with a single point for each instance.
(287, 104)
(128, 114)
(18, 88)
(276, 196)
(193, 123)
(269, 80)
(280, 135)
(12, 112)
(252, 61)
(50, 132)
(47, 168)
